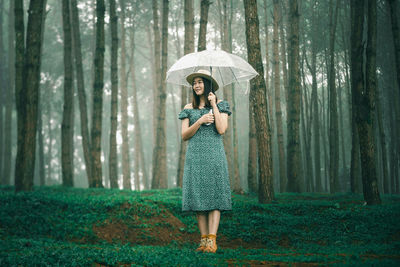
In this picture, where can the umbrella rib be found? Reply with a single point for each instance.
(222, 79)
(234, 74)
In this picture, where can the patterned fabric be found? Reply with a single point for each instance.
(205, 176)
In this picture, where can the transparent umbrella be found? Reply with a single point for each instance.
(226, 68)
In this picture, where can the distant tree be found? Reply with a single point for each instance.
(97, 109)
(126, 171)
(294, 168)
(77, 48)
(188, 48)
(315, 104)
(113, 158)
(333, 113)
(139, 153)
(67, 127)
(258, 101)
(28, 59)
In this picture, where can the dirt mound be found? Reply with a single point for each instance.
(159, 229)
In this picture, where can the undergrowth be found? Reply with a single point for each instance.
(60, 226)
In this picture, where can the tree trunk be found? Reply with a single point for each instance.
(315, 107)
(294, 168)
(333, 114)
(266, 42)
(252, 163)
(188, 48)
(3, 90)
(157, 86)
(28, 93)
(126, 171)
(160, 177)
(139, 153)
(392, 5)
(81, 90)
(9, 98)
(98, 85)
(365, 120)
(357, 78)
(258, 101)
(67, 128)
(364, 97)
(113, 158)
(204, 6)
(277, 85)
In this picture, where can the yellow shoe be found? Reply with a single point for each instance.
(211, 246)
(203, 243)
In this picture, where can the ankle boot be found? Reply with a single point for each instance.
(203, 243)
(211, 246)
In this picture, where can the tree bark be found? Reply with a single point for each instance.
(365, 96)
(98, 85)
(333, 114)
(28, 94)
(67, 133)
(365, 120)
(3, 90)
(9, 98)
(252, 167)
(294, 168)
(204, 6)
(188, 48)
(277, 87)
(258, 101)
(112, 160)
(160, 177)
(392, 5)
(157, 85)
(357, 78)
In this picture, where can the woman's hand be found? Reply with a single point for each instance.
(212, 99)
(207, 118)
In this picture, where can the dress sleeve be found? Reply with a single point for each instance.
(183, 114)
(223, 106)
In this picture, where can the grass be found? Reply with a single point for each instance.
(57, 226)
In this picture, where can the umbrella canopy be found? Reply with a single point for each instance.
(224, 67)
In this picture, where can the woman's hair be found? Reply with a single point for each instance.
(207, 90)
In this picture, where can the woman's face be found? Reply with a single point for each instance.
(198, 86)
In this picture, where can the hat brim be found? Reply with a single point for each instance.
(191, 77)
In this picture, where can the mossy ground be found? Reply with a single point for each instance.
(57, 226)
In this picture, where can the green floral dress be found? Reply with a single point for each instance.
(205, 176)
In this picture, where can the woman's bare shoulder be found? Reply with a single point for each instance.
(219, 101)
(189, 106)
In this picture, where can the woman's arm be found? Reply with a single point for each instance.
(221, 119)
(188, 132)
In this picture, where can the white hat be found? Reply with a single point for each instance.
(203, 74)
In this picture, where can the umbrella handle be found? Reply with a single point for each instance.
(211, 112)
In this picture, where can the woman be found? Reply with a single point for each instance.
(205, 188)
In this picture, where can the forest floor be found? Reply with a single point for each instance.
(57, 226)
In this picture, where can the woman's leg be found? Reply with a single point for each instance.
(202, 220)
(213, 221)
